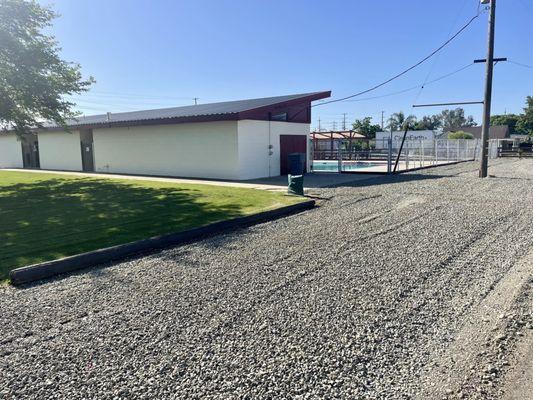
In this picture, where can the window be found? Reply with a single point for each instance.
(279, 117)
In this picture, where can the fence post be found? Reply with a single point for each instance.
(389, 155)
(339, 158)
(436, 146)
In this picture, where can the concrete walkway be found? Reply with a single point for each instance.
(276, 183)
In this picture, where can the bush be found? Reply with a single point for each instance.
(460, 135)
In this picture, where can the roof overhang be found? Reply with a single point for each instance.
(304, 101)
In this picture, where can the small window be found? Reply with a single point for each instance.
(279, 117)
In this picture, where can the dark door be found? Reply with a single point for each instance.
(290, 144)
(30, 151)
(87, 154)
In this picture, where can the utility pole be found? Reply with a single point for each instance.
(334, 124)
(196, 100)
(319, 126)
(483, 167)
(343, 121)
(382, 120)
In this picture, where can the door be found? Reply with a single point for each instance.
(30, 151)
(290, 144)
(87, 153)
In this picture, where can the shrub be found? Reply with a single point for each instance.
(460, 135)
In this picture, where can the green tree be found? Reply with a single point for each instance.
(33, 78)
(460, 135)
(525, 124)
(428, 122)
(454, 119)
(365, 127)
(398, 121)
(511, 120)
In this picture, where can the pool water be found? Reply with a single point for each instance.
(333, 166)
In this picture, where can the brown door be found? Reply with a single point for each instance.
(87, 148)
(290, 144)
(30, 151)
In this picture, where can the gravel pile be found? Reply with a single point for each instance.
(350, 300)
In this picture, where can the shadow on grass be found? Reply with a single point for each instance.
(48, 219)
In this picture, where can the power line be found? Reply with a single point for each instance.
(414, 87)
(526, 6)
(121, 100)
(107, 104)
(434, 63)
(128, 95)
(520, 64)
(408, 69)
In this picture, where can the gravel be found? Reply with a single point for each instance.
(351, 300)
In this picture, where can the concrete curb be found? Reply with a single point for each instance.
(49, 269)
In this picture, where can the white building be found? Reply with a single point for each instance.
(243, 139)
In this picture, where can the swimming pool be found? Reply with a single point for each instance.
(333, 166)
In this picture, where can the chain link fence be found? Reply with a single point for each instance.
(387, 155)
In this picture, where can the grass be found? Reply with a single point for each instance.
(49, 216)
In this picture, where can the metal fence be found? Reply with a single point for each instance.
(387, 155)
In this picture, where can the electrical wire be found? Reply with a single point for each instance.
(520, 64)
(436, 59)
(526, 6)
(413, 87)
(408, 89)
(438, 49)
(129, 95)
(135, 105)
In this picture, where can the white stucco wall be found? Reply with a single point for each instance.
(10, 151)
(254, 140)
(60, 150)
(202, 150)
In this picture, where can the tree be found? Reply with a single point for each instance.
(33, 78)
(365, 127)
(454, 119)
(460, 135)
(525, 124)
(511, 120)
(398, 121)
(428, 122)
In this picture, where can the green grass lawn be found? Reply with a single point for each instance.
(49, 216)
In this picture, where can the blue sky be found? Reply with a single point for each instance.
(163, 53)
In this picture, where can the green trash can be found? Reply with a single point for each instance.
(296, 185)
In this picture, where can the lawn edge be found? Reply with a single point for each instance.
(48, 269)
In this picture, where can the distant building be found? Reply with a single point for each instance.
(495, 132)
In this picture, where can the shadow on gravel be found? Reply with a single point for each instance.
(512, 178)
(391, 179)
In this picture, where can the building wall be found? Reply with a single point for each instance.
(201, 150)
(60, 150)
(10, 151)
(219, 150)
(254, 140)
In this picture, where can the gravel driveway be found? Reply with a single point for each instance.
(416, 286)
